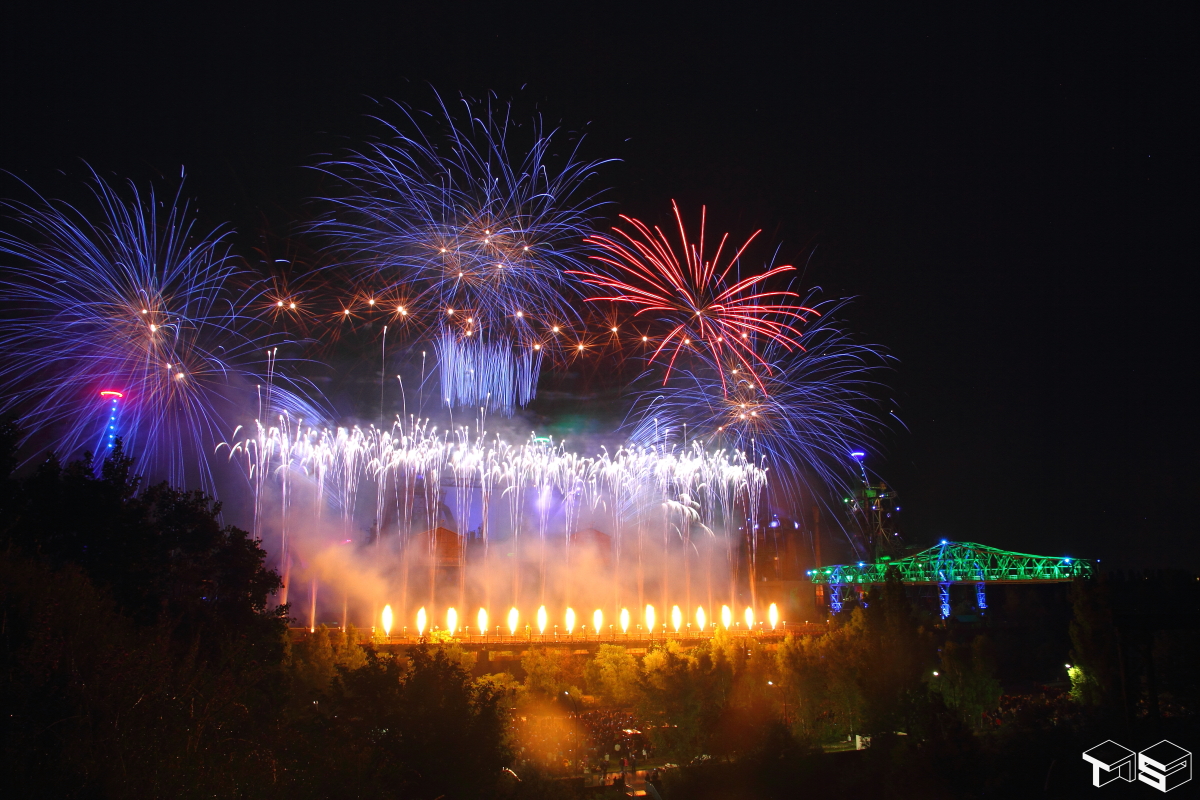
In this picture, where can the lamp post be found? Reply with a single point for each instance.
(773, 685)
(576, 707)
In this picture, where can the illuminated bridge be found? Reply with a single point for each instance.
(949, 563)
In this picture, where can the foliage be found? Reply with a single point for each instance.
(613, 675)
(501, 684)
(317, 660)
(403, 728)
(865, 675)
(1094, 646)
(140, 654)
(966, 679)
(551, 671)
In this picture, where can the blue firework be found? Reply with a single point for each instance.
(800, 412)
(128, 324)
(473, 219)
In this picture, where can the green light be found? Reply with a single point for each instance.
(960, 562)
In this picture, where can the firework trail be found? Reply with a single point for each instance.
(448, 213)
(704, 308)
(410, 468)
(136, 303)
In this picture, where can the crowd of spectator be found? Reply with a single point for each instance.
(594, 742)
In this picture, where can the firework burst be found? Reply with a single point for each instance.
(692, 293)
(802, 414)
(128, 327)
(475, 232)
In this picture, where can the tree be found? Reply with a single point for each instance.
(614, 676)
(966, 679)
(416, 728)
(890, 657)
(316, 661)
(1095, 652)
(550, 671)
(140, 653)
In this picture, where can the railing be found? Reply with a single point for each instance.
(633, 638)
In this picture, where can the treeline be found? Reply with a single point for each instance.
(141, 658)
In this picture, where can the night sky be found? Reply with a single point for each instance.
(1011, 195)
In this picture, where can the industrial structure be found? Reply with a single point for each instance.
(946, 564)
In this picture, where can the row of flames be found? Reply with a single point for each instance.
(570, 619)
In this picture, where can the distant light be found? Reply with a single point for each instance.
(943, 541)
(858, 455)
(935, 674)
(111, 393)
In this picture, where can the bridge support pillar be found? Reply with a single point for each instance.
(835, 597)
(944, 597)
(981, 596)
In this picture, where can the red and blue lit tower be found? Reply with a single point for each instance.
(111, 430)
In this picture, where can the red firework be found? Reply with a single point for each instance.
(694, 296)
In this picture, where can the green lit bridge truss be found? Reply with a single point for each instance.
(950, 563)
